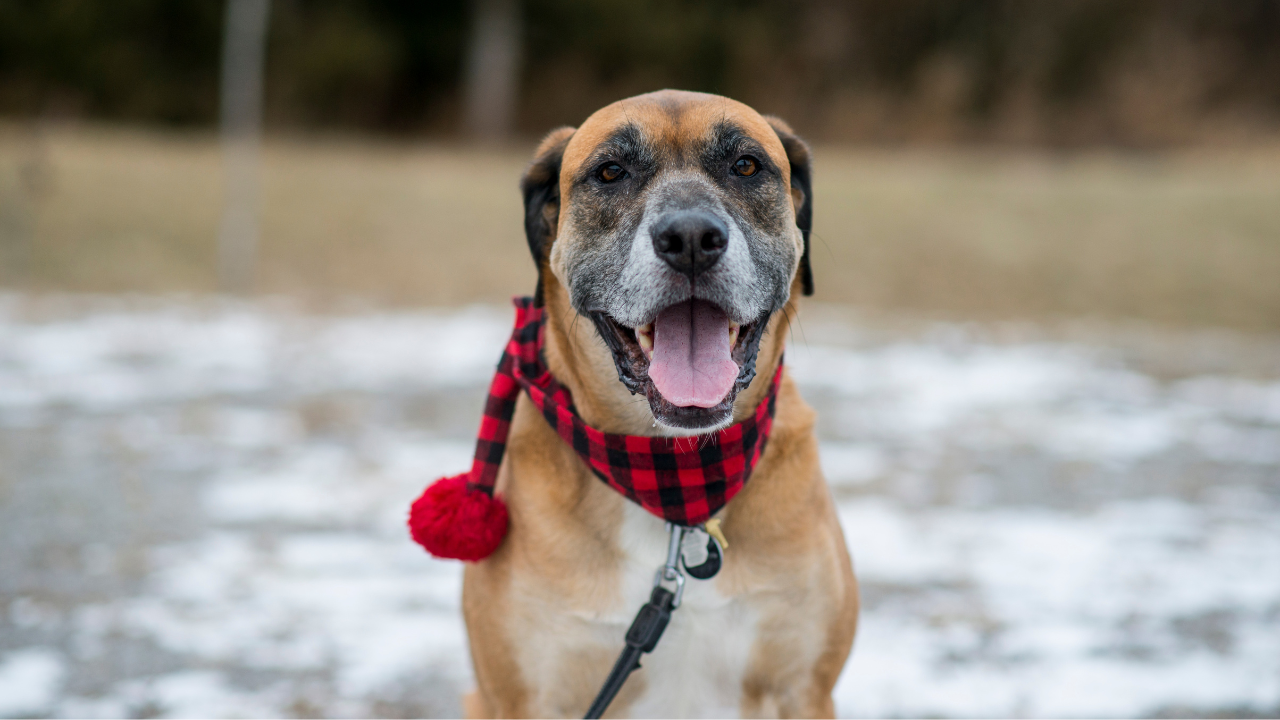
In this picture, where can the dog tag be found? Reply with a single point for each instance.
(701, 554)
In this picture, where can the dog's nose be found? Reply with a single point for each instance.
(691, 241)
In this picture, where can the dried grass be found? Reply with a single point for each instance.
(1189, 238)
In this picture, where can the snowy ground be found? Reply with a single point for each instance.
(201, 511)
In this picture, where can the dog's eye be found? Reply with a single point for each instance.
(611, 172)
(746, 166)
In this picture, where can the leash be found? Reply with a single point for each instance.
(647, 627)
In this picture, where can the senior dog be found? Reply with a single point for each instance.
(670, 232)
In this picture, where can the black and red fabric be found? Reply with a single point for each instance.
(683, 480)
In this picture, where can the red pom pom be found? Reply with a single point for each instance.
(456, 523)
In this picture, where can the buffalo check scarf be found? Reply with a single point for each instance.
(683, 480)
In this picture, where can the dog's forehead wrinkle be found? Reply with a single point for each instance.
(683, 189)
(627, 142)
(726, 138)
(625, 146)
(674, 118)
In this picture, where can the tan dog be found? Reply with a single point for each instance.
(669, 215)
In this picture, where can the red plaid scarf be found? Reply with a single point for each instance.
(683, 480)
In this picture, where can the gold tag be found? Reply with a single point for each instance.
(712, 527)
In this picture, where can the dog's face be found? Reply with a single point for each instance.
(677, 223)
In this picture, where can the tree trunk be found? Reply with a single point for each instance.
(493, 63)
(243, 55)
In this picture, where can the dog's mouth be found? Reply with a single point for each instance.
(690, 361)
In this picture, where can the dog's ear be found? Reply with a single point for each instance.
(540, 187)
(801, 191)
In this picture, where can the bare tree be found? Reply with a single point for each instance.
(24, 184)
(493, 63)
(243, 55)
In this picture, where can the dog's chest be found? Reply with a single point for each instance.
(698, 667)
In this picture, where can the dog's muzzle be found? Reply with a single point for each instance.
(691, 359)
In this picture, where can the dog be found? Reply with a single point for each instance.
(663, 223)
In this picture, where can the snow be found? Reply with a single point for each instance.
(206, 517)
(29, 681)
(1071, 616)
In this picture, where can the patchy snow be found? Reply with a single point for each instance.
(116, 359)
(1059, 399)
(204, 517)
(1043, 613)
(30, 679)
(851, 464)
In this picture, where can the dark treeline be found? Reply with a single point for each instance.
(1066, 71)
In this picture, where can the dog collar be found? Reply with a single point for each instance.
(683, 480)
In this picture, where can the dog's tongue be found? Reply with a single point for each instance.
(691, 365)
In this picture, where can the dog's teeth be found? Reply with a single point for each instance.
(733, 332)
(644, 336)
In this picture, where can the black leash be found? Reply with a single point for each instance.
(642, 637)
(646, 629)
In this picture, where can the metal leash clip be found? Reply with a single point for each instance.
(670, 572)
(646, 629)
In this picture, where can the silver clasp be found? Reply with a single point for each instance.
(670, 572)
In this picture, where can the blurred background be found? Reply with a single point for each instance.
(253, 261)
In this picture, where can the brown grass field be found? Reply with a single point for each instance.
(1187, 238)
